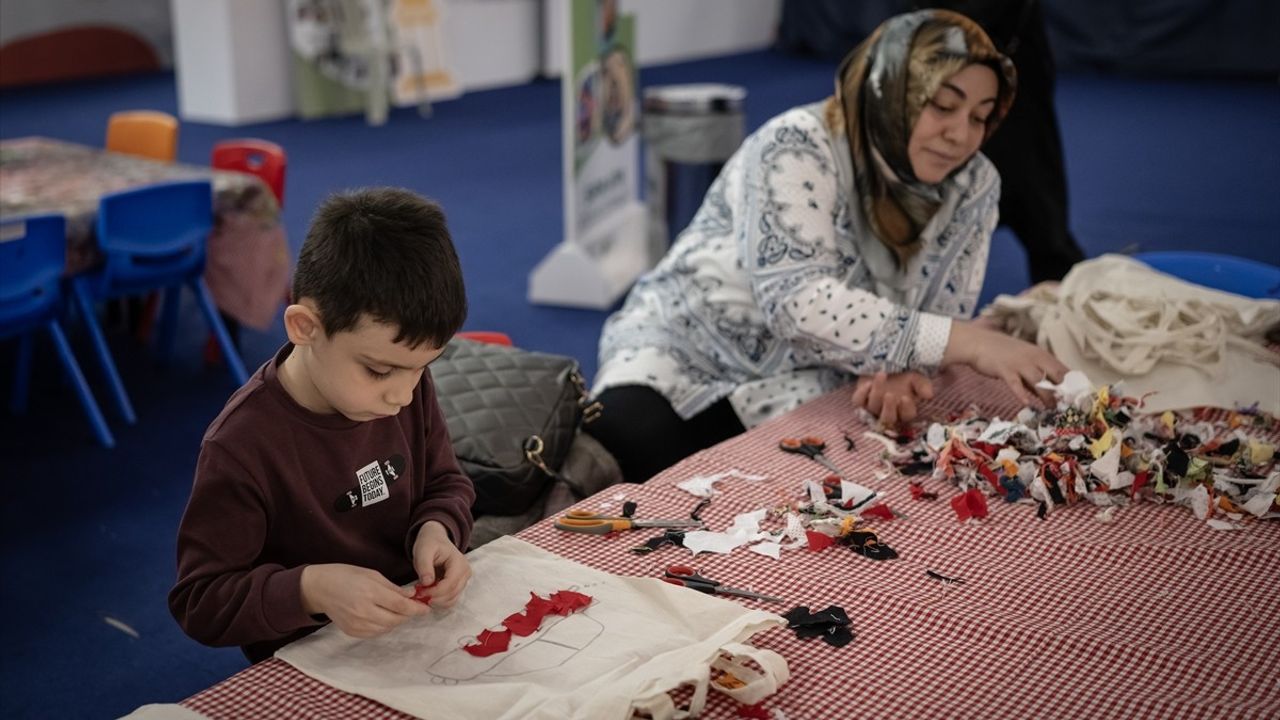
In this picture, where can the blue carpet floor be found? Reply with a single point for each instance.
(88, 533)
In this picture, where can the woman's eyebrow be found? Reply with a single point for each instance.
(962, 94)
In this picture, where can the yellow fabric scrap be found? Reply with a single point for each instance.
(1100, 446)
(1260, 453)
(1167, 419)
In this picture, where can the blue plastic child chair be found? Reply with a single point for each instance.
(1228, 273)
(33, 252)
(153, 237)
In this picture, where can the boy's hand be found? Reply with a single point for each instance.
(439, 561)
(893, 398)
(360, 601)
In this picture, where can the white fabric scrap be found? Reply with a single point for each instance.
(1259, 504)
(768, 549)
(747, 524)
(852, 491)
(1199, 499)
(1008, 453)
(699, 541)
(889, 445)
(815, 492)
(1222, 524)
(1075, 386)
(794, 532)
(998, 432)
(936, 437)
(704, 485)
(1107, 467)
(1106, 515)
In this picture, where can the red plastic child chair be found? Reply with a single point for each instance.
(261, 158)
(264, 159)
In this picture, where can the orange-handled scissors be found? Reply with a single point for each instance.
(688, 577)
(812, 448)
(591, 523)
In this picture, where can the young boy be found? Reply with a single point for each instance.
(328, 480)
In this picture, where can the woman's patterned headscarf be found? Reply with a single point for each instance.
(882, 87)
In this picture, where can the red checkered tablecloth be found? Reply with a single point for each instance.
(1152, 615)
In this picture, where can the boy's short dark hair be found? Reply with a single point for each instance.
(386, 252)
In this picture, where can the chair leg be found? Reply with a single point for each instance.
(104, 353)
(229, 351)
(169, 323)
(72, 367)
(22, 374)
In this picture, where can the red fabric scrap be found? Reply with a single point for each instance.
(522, 624)
(1139, 481)
(564, 602)
(489, 643)
(538, 606)
(819, 541)
(985, 448)
(754, 711)
(971, 504)
(421, 594)
(919, 493)
(879, 511)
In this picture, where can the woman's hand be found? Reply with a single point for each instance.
(1019, 364)
(893, 398)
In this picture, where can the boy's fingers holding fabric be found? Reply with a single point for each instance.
(453, 575)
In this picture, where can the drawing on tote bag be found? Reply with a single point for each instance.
(554, 644)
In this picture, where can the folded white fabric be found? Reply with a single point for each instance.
(1114, 318)
(638, 639)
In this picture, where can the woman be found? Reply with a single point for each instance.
(847, 238)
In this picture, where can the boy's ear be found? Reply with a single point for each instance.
(302, 324)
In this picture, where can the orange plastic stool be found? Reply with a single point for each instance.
(145, 133)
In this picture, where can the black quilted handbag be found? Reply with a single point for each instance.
(512, 415)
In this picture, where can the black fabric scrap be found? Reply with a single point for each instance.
(668, 537)
(1176, 461)
(832, 624)
(1227, 448)
(917, 468)
(868, 545)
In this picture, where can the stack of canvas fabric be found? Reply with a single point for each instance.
(1115, 318)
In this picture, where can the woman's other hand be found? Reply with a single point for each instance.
(893, 398)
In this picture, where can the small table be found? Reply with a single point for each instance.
(1152, 615)
(247, 261)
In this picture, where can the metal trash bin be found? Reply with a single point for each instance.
(690, 131)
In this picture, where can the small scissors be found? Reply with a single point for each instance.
(591, 523)
(688, 577)
(810, 447)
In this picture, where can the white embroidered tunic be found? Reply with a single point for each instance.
(778, 291)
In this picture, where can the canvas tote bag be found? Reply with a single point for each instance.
(638, 639)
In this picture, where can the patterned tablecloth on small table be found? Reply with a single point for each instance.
(1153, 615)
(247, 265)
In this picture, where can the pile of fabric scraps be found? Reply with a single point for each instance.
(1095, 445)
(832, 624)
(522, 624)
